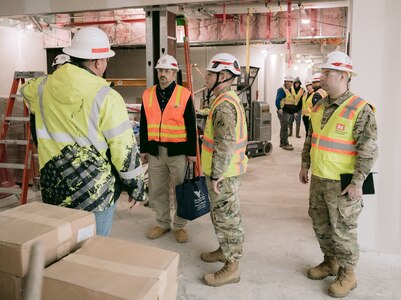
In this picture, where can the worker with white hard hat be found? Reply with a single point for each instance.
(60, 60)
(286, 107)
(298, 91)
(168, 143)
(87, 148)
(223, 164)
(307, 104)
(317, 87)
(341, 141)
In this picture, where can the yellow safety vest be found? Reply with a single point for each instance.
(169, 125)
(239, 160)
(78, 119)
(307, 104)
(333, 146)
(289, 97)
(80, 113)
(298, 95)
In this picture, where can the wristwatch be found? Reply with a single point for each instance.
(213, 178)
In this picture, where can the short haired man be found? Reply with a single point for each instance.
(223, 163)
(341, 140)
(168, 142)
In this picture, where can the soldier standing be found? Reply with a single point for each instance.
(341, 139)
(223, 162)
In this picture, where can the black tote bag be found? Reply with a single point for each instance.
(192, 196)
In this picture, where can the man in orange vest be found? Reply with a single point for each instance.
(167, 142)
(223, 163)
(341, 140)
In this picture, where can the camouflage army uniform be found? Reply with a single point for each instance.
(225, 208)
(334, 216)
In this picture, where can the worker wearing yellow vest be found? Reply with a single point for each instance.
(87, 148)
(307, 104)
(341, 139)
(58, 61)
(298, 92)
(223, 162)
(168, 143)
(317, 87)
(285, 104)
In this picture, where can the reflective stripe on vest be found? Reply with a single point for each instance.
(322, 93)
(333, 146)
(91, 138)
(239, 160)
(169, 125)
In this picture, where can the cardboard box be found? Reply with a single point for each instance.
(61, 230)
(10, 287)
(66, 280)
(172, 293)
(113, 269)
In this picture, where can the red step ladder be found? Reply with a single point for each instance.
(7, 183)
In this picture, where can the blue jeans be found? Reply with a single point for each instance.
(104, 220)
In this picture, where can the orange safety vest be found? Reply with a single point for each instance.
(239, 160)
(322, 92)
(167, 126)
(333, 146)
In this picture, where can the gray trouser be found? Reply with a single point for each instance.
(284, 121)
(164, 174)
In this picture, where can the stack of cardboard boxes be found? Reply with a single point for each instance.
(79, 264)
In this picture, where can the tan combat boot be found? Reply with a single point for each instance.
(344, 283)
(157, 232)
(181, 235)
(213, 256)
(228, 274)
(329, 267)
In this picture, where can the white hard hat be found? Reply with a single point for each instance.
(316, 77)
(167, 62)
(90, 43)
(224, 61)
(61, 59)
(288, 78)
(308, 82)
(338, 60)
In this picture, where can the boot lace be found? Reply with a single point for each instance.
(224, 269)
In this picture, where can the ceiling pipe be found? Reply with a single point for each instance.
(77, 24)
(224, 13)
(289, 29)
(268, 17)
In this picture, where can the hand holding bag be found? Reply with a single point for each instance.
(192, 196)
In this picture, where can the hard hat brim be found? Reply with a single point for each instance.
(86, 55)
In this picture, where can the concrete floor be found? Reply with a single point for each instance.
(279, 242)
